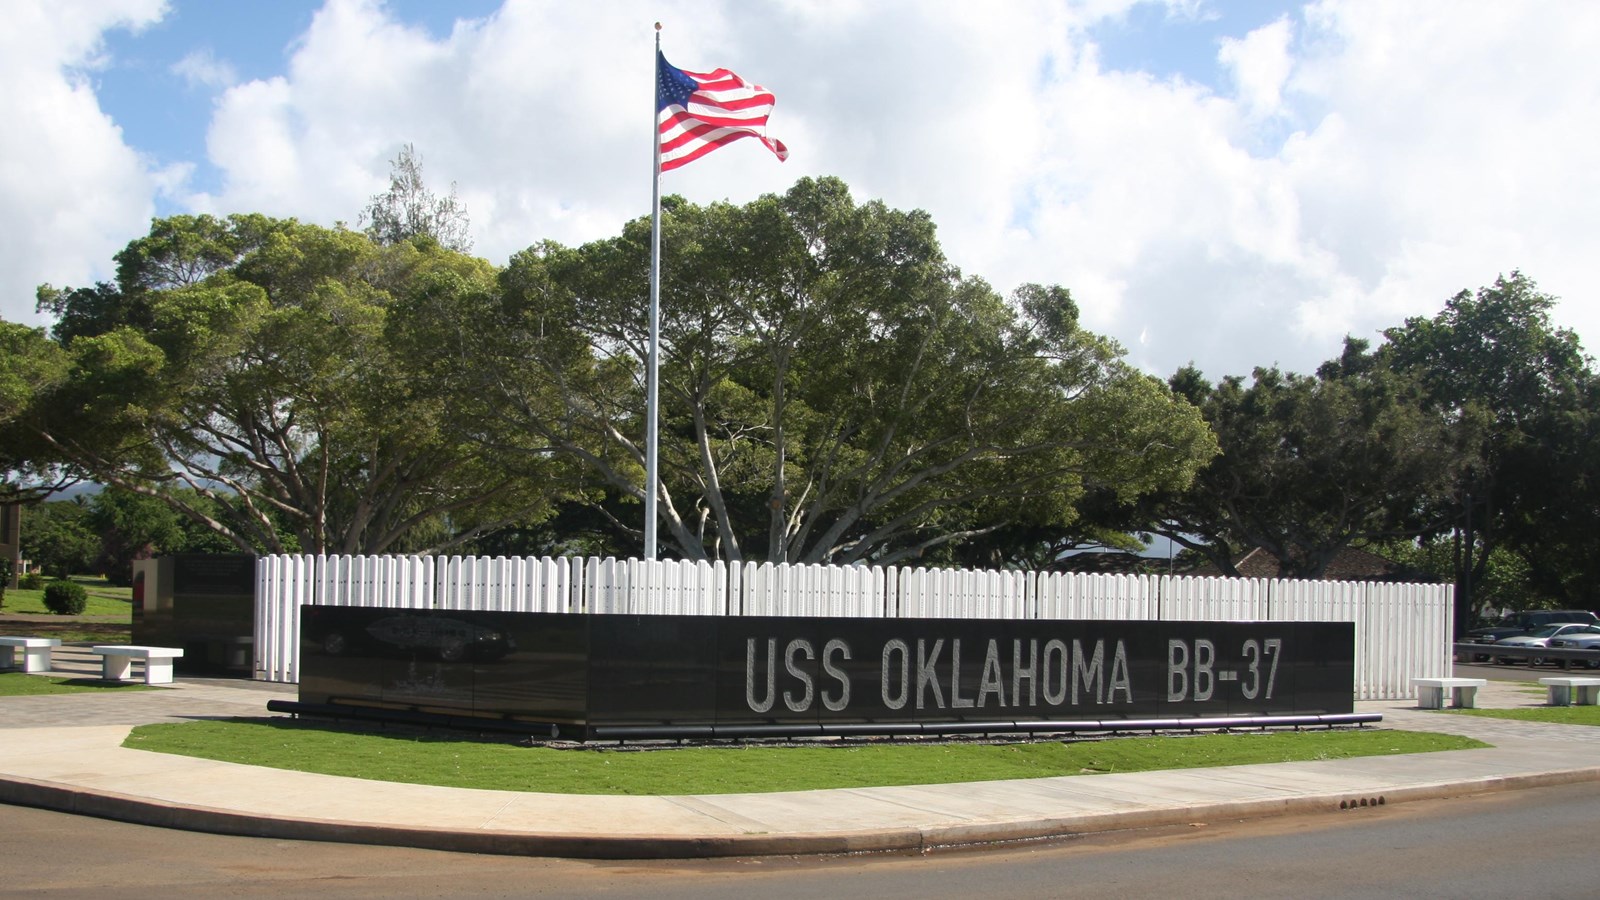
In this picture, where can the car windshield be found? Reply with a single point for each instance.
(1546, 631)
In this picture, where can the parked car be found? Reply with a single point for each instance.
(1541, 638)
(1578, 641)
(1527, 621)
(1523, 623)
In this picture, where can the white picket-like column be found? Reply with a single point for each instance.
(265, 613)
(516, 577)
(640, 588)
(705, 595)
(379, 572)
(771, 580)
(1402, 631)
(303, 572)
(460, 586)
(605, 575)
(920, 590)
(911, 594)
(332, 580)
(558, 582)
(544, 594)
(666, 597)
(584, 599)
(623, 586)
(778, 591)
(1047, 590)
(493, 576)
(400, 582)
(800, 581)
(783, 602)
(688, 580)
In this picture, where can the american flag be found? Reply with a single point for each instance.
(699, 112)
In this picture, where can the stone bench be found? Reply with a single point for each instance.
(35, 653)
(1573, 691)
(1463, 691)
(119, 659)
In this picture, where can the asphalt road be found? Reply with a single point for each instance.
(1534, 843)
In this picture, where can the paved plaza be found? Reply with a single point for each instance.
(64, 752)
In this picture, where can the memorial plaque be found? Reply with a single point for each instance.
(203, 603)
(610, 676)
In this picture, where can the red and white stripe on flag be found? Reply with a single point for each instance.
(701, 111)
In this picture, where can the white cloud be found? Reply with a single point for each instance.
(1355, 162)
(520, 111)
(203, 69)
(1260, 63)
(523, 111)
(1455, 143)
(1363, 165)
(70, 186)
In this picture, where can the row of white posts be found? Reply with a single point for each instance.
(1402, 630)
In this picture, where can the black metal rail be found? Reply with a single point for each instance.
(668, 731)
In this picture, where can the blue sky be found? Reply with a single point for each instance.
(164, 114)
(1181, 41)
(1227, 183)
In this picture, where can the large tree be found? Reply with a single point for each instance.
(1555, 516)
(1494, 357)
(276, 370)
(1310, 464)
(59, 538)
(131, 527)
(832, 388)
(409, 209)
(31, 365)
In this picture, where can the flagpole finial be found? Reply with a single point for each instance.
(658, 26)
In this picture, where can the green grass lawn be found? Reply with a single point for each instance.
(17, 684)
(104, 599)
(292, 744)
(1560, 715)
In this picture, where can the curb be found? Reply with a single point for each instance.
(145, 811)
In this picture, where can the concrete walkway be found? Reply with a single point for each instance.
(64, 752)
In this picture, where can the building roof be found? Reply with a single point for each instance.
(1350, 564)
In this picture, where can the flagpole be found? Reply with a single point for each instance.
(652, 474)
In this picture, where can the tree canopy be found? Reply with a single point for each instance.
(832, 388)
(1310, 465)
(59, 539)
(31, 366)
(409, 209)
(1493, 357)
(1468, 436)
(270, 367)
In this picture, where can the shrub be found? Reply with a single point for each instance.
(65, 598)
(33, 581)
